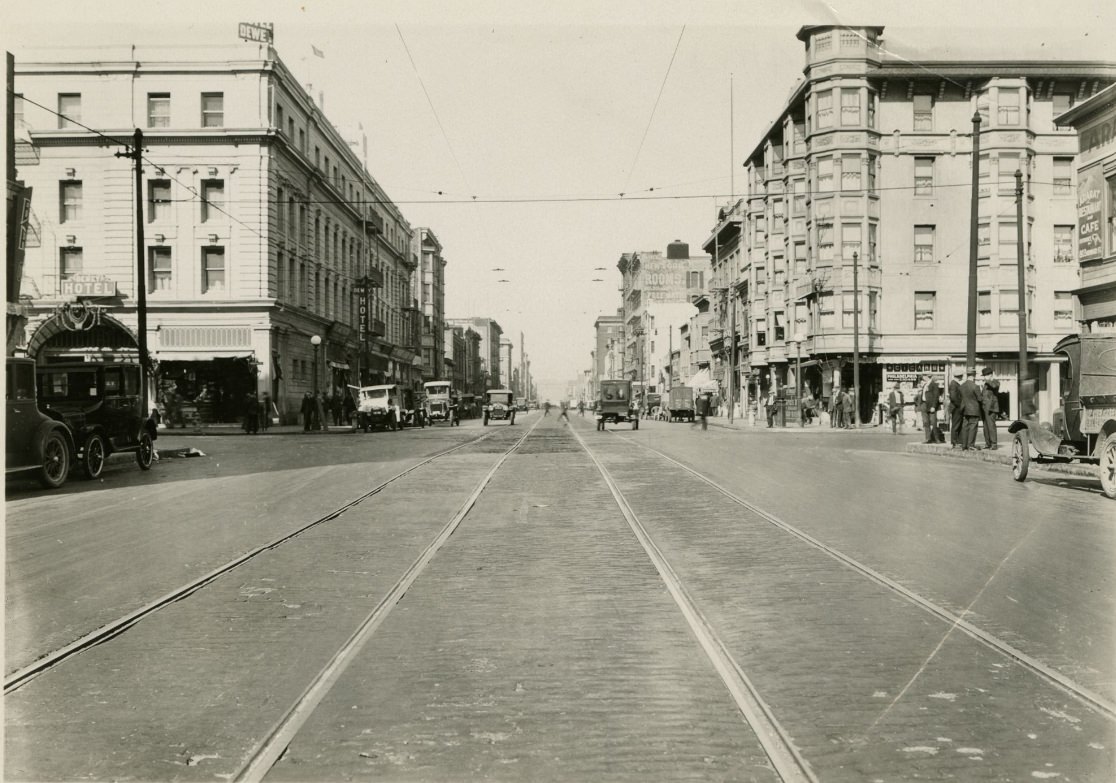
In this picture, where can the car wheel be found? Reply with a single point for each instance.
(145, 453)
(93, 456)
(1108, 466)
(56, 461)
(1020, 455)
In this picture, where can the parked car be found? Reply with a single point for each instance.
(499, 404)
(34, 441)
(101, 404)
(1084, 426)
(379, 406)
(616, 404)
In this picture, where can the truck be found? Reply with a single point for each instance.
(1083, 428)
(681, 403)
(441, 402)
(616, 404)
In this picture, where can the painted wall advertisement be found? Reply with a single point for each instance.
(1090, 214)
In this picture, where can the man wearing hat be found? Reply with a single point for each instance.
(955, 418)
(990, 402)
(970, 410)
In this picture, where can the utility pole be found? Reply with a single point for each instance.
(1023, 374)
(970, 345)
(136, 154)
(732, 349)
(856, 340)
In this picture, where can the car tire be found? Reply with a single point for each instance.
(1108, 466)
(1020, 455)
(93, 456)
(56, 461)
(145, 452)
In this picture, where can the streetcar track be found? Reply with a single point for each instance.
(275, 744)
(20, 677)
(1082, 693)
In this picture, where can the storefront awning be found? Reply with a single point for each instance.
(339, 365)
(199, 356)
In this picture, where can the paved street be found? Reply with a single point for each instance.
(770, 603)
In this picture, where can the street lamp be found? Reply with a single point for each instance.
(799, 338)
(315, 341)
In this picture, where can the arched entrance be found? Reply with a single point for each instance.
(76, 332)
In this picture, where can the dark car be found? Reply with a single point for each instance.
(101, 404)
(616, 404)
(34, 441)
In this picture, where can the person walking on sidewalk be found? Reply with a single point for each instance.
(970, 409)
(895, 409)
(701, 408)
(309, 404)
(990, 402)
(931, 401)
(770, 405)
(956, 418)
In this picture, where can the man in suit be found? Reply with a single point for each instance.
(991, 404)
(931, 401)
(955, 417)
(970, 410)
(895, 409)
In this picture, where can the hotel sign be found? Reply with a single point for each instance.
(88, 285)
(261, 32)
(362, 291)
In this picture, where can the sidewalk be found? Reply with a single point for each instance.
(235, 429)
(1000, 456)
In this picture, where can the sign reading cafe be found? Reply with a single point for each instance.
(1090, 214)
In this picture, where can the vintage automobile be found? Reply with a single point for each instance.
(680, 403)
(34, 441)
(441, 402)
(1084, 426)
(499, 404)
(378, 406)
(616, 404)
(101, 403)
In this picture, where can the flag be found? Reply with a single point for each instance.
(317, 52)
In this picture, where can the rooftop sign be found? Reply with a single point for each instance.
(263, 32)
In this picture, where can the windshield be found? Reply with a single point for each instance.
(375, 394)
(439, 388)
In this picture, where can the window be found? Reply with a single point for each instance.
(213, 199)
(847, 304)
(69, 262)
(317, 156)
(778, 216)
(213, 269)
(873, 311)
(850, 107)
(923, 112)
(799, 259)
(982, 108)
(695, 281)
(798, 202)
(825, 109)
(1006, 235)
(1009, 307)
(212, 109)
(924, 244)
(69, 198)
(761, 331)
(825, 175)
(924, 176)
(1008, 165)
(871, 173)
(69, 109)
(1063, 244)
(1063, 176)
(872, 229)
(825, 242)
(924, 309)
(826, 316)
(280, 211)
(850, 172)
(983, 175)
(279, 117)
(17, 104)
(850, 240)
(158, 269)
(871, 109)
(984, 309)
(1063, 310)
(1007, 102)
(158, 109)
(302, 140)
(159, 200)
(780, 327)
(1063, 102)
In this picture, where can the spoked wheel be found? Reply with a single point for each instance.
(145, 454)
(56, 461)
(93, 456)
(1108, 466)
(1020, 455)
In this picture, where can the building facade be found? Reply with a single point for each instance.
(430, 293)
(608, 351)
(489, 334)
(506, 364)
(260, 227)
(858, 208)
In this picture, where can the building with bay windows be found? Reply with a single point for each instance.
(861, 188)
(261, 228)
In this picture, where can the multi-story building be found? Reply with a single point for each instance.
(861, 189)
(727, 306)
(489, 333)
(430, 293)
(608, 351)
(657, 299)
(259, 224)
(506, 364)
(1095, 122)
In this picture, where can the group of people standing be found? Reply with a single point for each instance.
(317, 411)
(970, 405)
(258, 413)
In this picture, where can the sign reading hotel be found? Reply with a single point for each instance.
(261, 32)
(1090, 213)
(362, 310)
(88, 285)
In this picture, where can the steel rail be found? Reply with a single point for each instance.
(776, 742)
(20, 677)
(1083, 694)
(274, 745)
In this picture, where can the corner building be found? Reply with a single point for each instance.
(259, 223)
(869, 163)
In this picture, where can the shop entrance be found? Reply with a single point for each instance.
(205, 392)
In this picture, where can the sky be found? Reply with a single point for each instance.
(545, 139)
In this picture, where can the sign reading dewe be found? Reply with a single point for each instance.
(263, 32)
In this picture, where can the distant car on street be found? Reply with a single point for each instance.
(34, 442)
(499, 404)
(616, 404)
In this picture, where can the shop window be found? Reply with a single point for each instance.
(213, 109)
(69, 197)
(69, 262)
(158, 109)
(1063, 310)
(213, 200)
(924, 306)
(69, 109)
(213, 270)
(1063, 244)
(158, 269)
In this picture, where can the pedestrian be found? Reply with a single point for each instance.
(931, 400)
(251, 413)
(851, 418)
(955, 416)
(701, 409)
(838, 416)
(581, 407)
(564, 411)
(895, 409)
(322, 406)
(990, 402)
(335, 406)
(770, 405)
(348, 407)
(546, 408)
(307, 411)
(268, 412)
(970, 410)
(808, 407)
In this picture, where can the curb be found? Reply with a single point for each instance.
(1001, 456)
